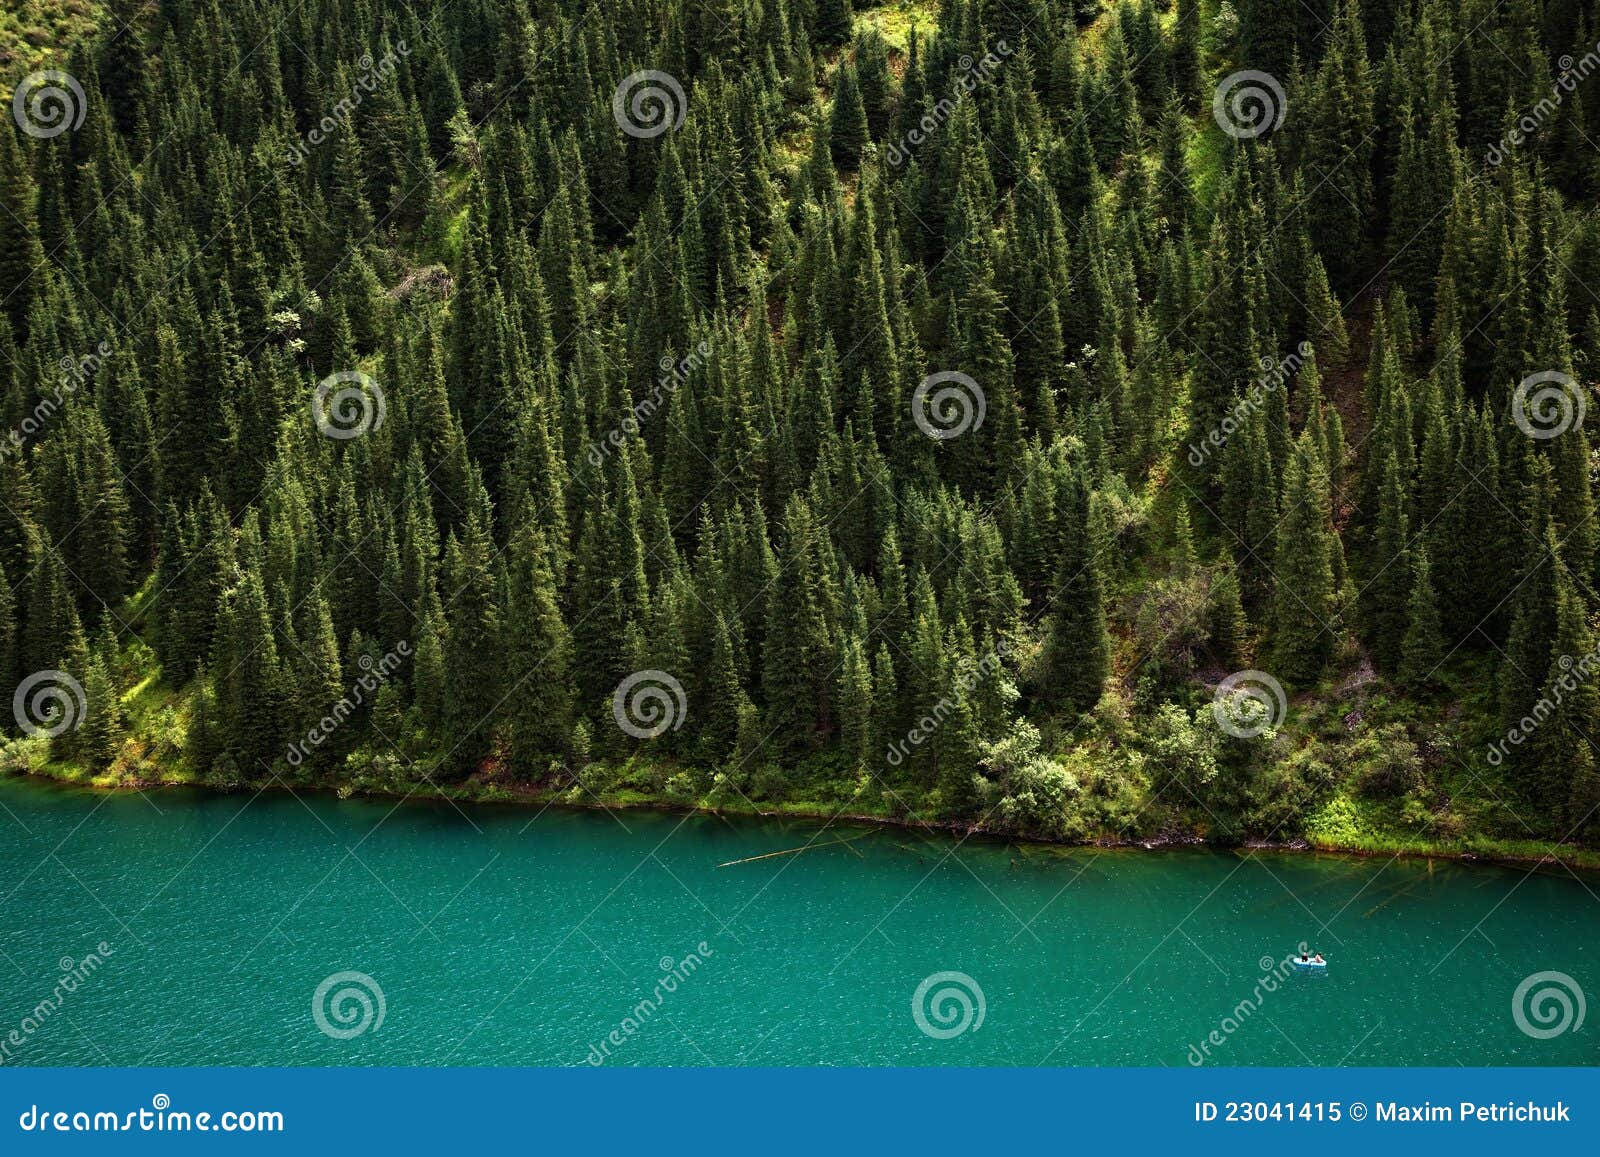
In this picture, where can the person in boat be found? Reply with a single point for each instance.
(1317, 959)
(1304, 959)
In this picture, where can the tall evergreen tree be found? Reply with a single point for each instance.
(1077, 657)
(1304, 597)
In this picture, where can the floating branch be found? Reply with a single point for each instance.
(801, 848)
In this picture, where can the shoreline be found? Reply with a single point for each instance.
(1539, 853)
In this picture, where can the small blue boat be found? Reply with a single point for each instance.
(1298, 963)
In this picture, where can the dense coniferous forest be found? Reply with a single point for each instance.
(1077, 419)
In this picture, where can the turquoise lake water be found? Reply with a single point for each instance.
(505, 936)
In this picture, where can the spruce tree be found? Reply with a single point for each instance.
(1077, 657)
(8, 631)
(847, 123)
(1423, 648)
(21, 253)
(1304, 605)
(1390, 572)
(538, 656)
(473, 670)
(833, 19)
(100, 737)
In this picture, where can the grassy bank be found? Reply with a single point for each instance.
(628, 787)
(1350, 767)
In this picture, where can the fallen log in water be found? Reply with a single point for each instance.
(801, 848)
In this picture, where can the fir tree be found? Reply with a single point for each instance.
(1423, 648)
(1303, 568)
(847, 123)
(1078, 648)
(539, 656)
(833, 18)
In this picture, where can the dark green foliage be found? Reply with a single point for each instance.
(832, 24)
(847, 123)
(474, 674)
(1389, 576)
(1077, 649)
(1422, 649)
(646, 400)
(1304, 603)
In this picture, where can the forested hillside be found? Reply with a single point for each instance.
(1070, 419)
